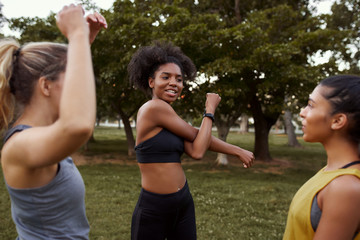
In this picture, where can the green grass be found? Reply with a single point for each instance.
(231, 202)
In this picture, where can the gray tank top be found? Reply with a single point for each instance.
(53, 211)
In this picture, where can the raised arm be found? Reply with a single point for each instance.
(77, 104)
(197, 141)
(197, 148)
(166, 117)
(45, 145)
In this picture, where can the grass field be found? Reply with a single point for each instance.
(231, 202)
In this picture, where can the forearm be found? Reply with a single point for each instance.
(217, 145)
(243, 155)
(198, 147)
(78, 102)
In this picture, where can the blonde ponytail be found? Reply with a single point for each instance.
(20, 68)
(7, 103)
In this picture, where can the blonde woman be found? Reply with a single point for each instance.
(52, 86)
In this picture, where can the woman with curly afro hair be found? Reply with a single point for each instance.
(165, 209)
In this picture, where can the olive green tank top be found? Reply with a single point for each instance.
(298, 226)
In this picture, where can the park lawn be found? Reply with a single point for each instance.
(231, 202)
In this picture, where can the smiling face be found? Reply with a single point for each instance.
(317, 117)
(168, 82)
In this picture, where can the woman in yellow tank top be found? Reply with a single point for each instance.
(328, 205)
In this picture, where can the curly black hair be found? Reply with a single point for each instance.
(147, 60)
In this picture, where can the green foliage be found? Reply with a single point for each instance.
(265, 54)
(346, 17)
(2, 17)
(37, 29)
(258, 51)
(127, 30)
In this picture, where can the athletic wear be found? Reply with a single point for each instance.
(298, 224)
(162, 148)
(316, 212)
(53, 211)
(164, 216)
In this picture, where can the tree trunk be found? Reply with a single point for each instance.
(221, 159)
(261, 149)
(223, 131)
(262, 125)
(290, 130)
(119, 122)
(237, 11)
(244, 124)
(129, 133)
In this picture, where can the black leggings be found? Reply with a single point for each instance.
(164, 216)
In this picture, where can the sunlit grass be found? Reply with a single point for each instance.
(231, 202)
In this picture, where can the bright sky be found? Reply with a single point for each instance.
(42, 8)
(39, 8)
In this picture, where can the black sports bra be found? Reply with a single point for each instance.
(162, 148)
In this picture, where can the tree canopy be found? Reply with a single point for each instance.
(255, 54)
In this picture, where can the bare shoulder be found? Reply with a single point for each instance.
(4, 154)
(157, 103)
(155, 106)
(339, 202)
(9, 150)
(345, 186)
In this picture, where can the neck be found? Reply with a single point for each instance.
(36, 115)
(339, 152)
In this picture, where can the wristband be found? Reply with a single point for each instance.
(209, 115)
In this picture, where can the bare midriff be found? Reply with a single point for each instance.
(162, 178)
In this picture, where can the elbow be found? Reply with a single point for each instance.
(194, 151)
(197, 156)
(80, 131)
(86, 131)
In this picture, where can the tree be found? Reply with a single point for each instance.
(129, 28)
(290, 130)
(133, 24)
(2, 17)
(258, 51)
(265, 52)
(37, 29)
(261, 50)
(289, 127)
(346, 17)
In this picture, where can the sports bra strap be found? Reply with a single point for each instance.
(351, 163)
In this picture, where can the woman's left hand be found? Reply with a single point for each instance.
(95, 21)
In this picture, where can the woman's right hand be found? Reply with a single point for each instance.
(212, 101)
(70, 21)
(246, 157)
